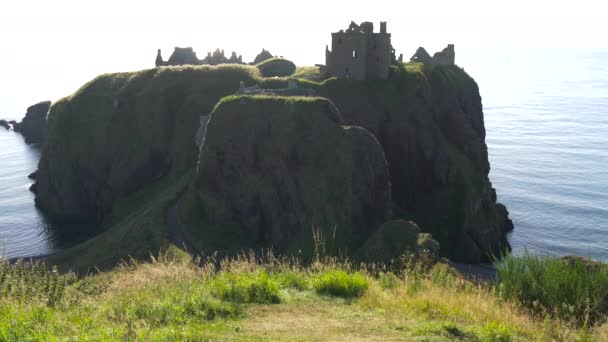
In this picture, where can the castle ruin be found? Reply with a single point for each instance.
(187, 56)
(445, 57)
(358, 53)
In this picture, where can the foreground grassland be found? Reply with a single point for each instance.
(250, 298)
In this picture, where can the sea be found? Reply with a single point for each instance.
(546, 117)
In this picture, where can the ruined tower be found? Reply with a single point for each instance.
(358, 53)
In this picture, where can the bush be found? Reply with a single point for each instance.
(341, 284)
(293, 280)
(388, 280)
(277, 67)
(246, 288)
(179, 310)
(32, 281)
(575, 289)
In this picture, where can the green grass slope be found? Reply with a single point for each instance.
(260, 299)
(136, 229)
(130, 136)
(429, 121)
(121, 132)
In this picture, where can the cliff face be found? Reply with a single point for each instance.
(121, 132)
(281, 167)
(430, 124)
(33, 125)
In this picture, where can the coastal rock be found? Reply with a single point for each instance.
(283, 166)
(4, 123)
(428, 120)
(33, 125)
(430, 124)
(89, 161)
(397, 238)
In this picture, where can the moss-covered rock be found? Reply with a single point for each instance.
(282, 166)
(120, 132)
(33, 125)
(396, 238)
(277, 67)
(429, 120)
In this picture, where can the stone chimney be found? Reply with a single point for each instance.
(383, 27)
(159, 59)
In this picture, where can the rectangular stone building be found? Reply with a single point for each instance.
(358, 53)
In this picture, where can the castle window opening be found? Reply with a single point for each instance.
(354, 54)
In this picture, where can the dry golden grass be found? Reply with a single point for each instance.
(151, 302)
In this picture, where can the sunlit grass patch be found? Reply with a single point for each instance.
(341, 283)
(256, 287)
(575, 289)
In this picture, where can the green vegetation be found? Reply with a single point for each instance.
(573, 289)
(256, 287)
(341, 284)
(309, 73)
(25, 281)
(135, 230)
(253, 297)
(158, 112)
(276, 67)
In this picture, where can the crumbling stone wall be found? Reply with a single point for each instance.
(262, 56)
(445, 57)
(358, 53)
(421, 56)
(187, 56)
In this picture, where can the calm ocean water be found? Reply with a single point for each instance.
(546, 115)
(23, 229)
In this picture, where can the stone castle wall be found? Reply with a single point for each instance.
(358, 53)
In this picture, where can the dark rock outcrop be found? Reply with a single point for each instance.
(280, 166)
(33, 125)
(431, 127)
(396, 238)
(89, 161)
(283, 166)
(5, 124)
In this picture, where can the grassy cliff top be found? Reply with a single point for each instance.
(263, 298)
(115, 118)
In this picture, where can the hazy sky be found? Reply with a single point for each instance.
(49, 49)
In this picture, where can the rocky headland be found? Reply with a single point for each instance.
(350, 159)
(33, 125)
